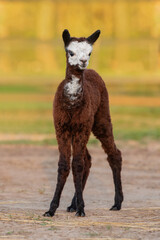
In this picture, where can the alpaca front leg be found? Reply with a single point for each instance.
(63, 172)
(77, 168)
(87, 165)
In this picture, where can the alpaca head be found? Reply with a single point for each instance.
(78, 50)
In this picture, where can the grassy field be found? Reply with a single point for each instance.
(26, 110)
(32, 63)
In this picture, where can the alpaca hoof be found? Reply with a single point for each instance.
(71, 209)
(48, 214)
(115, 208)
(80, 213)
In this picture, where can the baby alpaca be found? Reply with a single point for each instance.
(81, 106)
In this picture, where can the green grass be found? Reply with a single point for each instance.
(136, 122)
(138, 134)
(30, 88)
(44, 142)
(27, 109)
(14, 88)
(136, 89)
(120, 88)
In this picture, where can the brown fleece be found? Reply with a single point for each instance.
(74, 124)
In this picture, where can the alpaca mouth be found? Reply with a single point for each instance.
(83, 66)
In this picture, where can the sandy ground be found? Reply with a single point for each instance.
(28, 177)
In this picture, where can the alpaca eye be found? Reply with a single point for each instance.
(71, 53)
(89, 54)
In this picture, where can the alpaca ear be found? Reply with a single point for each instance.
(66, 37)
(91, 39)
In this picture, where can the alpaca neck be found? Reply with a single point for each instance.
(72, 71)
(73, 88)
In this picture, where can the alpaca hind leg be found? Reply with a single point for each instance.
(105, 135)
(63, 172)
(115, 161)
(87, 162)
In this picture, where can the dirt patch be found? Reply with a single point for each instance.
(27, 181)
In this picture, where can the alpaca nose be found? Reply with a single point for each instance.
(83, 61)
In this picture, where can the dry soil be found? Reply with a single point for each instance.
(27, 181)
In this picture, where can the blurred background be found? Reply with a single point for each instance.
(32, 64)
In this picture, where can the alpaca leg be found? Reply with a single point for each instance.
(78, 167)
(105, 135)
(87, 162)
(115, 161)
(63, 172)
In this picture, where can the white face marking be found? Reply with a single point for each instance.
(73, 88)
(79, 53)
